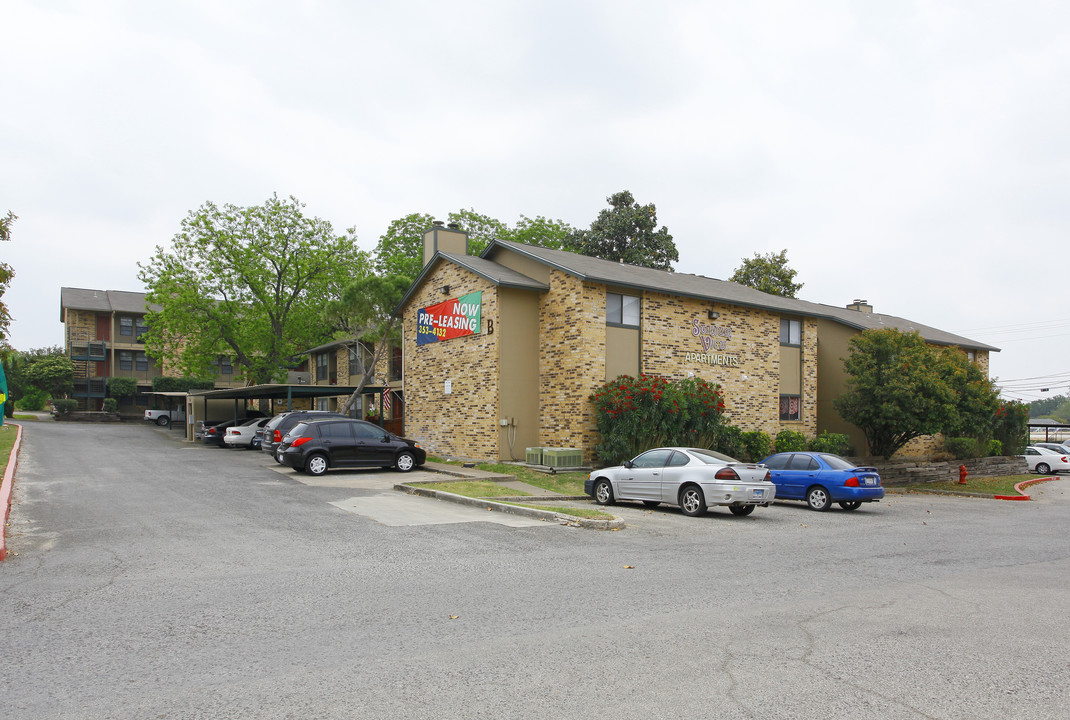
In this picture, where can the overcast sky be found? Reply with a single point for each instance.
(914, 154)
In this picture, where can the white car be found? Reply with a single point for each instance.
(163, 417)
(243, 435)
(1044, 461)
(692, 478)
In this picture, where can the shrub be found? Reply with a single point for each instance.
(1011, 427)
(173, 384)
(636, 414)
(65, 406)
(962, 448)
(33, 399)
(756, 445)
(730, 441)
(790, 441)
(995, 448)
(111, 405)
(834, 443)
(122, 387)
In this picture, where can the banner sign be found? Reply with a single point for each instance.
(450, 319)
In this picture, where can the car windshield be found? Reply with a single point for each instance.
(836, 462)
(711, 457)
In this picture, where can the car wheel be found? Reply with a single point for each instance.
(741, 510)
(651, 503)
(278, 458)
(603, 492)
(406, 461)
(818, 498)
(1043, 468)
(851, 504)
(162, 421)
(316, 464)
(692, 501)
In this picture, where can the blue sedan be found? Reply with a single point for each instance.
(822, 479)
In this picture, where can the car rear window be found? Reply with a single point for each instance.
(301, 430)
(712, 457)
(838, 463)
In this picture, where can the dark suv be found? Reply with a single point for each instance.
(315, 445)
(279, 425)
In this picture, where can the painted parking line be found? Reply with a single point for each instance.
(398, 510)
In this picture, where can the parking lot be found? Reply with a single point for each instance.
(154, 578)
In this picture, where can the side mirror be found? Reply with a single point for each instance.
(629, 464)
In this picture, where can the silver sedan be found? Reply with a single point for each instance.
(692, 478)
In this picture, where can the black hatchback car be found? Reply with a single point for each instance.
(282, 423)
(315, 445)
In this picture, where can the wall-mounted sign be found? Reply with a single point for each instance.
(713, 338)
(449, 319)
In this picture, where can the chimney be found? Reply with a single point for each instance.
(861, 306)
(440, 238)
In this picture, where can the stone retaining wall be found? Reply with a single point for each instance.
(911, 472)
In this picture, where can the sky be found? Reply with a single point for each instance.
(915, 154)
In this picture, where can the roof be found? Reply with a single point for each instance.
(723, 291)
(278, 392)
(103, 301)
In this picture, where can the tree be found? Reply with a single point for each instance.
(51, 372)
(6, 274)
(400, 250)
(900, 388)
(365, 313)
(627, 231)
(768, 273)
(248, 283)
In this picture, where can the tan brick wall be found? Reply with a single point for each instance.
(464, 423)
(572, 348)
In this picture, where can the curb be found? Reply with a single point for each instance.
(1021, 486)
(546, 515)
(6, 487)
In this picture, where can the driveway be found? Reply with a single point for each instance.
(155, 579)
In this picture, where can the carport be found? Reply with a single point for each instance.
(199, 411)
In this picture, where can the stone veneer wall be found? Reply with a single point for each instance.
(752, 389)
(914, 471)
(463, 424)
(81, 325)
(572, 351)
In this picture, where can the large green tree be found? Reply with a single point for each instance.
(50, 371)
(900, 388)
(364, 313)
(400, 249)
(6, 274)
(769, 273)
(248, 283)
(627, 231)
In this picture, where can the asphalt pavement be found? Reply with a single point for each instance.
(152, 578)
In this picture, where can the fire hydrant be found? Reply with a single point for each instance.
(962, 474)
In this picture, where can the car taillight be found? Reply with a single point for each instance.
(727, 473)
(768, 476)
(277, 437)
(851, 482)
(298, 442)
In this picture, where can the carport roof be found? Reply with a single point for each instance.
(278, 392)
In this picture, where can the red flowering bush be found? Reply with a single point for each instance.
(1011, 427)
(635, 414)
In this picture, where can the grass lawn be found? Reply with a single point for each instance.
(561, 483)
(7, 441)
(20, 417)
(992, 485)
(477, 489)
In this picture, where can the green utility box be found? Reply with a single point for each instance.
(533, 456)
(562, 457)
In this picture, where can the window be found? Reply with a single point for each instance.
(653, 458)
(322, 403)
(141, 361)
(803, 462)
(322, 366)
(789, 407)
(126, 325)
(790, 332)
(140, 328)
(395, 363)
(360, 359)
(971, 356)
(336, 431)
(622, 310)
(126, 360)
(225, 366)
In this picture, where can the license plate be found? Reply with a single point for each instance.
(869, 481)
(759, 493)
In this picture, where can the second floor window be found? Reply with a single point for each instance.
(790, 332)
(322, 366)
(622, 310)
(140, 328)
(395, 363)
(126, 325)
(225, 367)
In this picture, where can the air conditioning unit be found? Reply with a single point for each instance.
(533, 456)
(562, 457)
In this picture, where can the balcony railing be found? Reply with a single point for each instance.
(95, 351)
